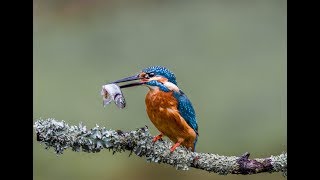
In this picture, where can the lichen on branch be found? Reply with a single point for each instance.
(60, 136)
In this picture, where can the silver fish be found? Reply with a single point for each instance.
(112, 92)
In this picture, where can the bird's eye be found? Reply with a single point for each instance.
(151, 74)
(148, 75)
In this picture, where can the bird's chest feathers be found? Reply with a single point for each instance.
(162, 109)
(160, 105)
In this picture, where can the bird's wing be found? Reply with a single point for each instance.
(186, 110)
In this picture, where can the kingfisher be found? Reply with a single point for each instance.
(167, 106)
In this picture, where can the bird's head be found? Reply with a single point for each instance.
(152, 76)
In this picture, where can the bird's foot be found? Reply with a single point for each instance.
(174, 146)
(156, 138)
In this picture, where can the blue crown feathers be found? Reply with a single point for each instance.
(162, 71)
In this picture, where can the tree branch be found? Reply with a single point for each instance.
(61, 136)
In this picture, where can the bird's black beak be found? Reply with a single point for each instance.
(131, 78)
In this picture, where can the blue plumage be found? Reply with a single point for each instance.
(186, 110)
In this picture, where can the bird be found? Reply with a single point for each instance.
(167, 106)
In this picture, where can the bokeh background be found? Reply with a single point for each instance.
(229, 58)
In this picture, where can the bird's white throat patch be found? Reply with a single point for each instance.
(165, 82)
(171, 86)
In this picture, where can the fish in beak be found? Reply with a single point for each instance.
(112, 92)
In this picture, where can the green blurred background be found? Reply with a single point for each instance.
(229, 57)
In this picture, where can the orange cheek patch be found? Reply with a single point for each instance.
(163, 80)
(142, 75)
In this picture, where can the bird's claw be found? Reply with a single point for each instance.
(156, 138)
(174, 147)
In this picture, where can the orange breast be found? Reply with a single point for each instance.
(162, 110)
